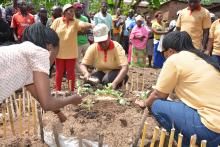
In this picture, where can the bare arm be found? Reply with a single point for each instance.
(159, 32)
(210, 46)
(15, 35)
(41, 90)
(205, 38)
(85, 26)
(120, 77)
(85, 71)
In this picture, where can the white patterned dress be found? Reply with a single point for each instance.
(17, 63)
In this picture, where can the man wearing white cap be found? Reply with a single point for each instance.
(108, 57)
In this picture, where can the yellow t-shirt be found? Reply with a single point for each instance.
(68, 37)
(215, 34)
(194, 23)
(158, 27)
(115, 58)
(196, 84)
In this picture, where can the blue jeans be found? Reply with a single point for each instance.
(216, 58)
(185, 120)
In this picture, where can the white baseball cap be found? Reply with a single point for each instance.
(139, 17)
(67, 6)
(100, 32)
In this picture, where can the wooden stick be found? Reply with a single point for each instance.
(41, 125)
(70, 86)
(144, 117)
(180, 140)
(144, 134)
(155, 134)
(29, 111)
(193, 141)
(12, 106)
(143, 82)
(137, 80)
(16, 102)
(20, 115)
(23, 97)
(162, 137)
(132, 82)
(11, 119)
(171, 137)
(203, 143)
(56, 136)
(4, 121)
(34, 116)
(6, 101)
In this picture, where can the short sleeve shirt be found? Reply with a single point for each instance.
(67, 33)
(82, 39)
(17, 65)
(21, 22)
(215, 34)
(191, 77)
(158, 27)
(99, 18)
(194, 23)
(115, 58)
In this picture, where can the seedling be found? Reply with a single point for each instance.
(144, 95)
(87, 104)
(109, 91)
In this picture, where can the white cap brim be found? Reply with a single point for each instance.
(101, 39)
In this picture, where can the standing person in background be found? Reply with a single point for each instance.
(30, 8)
(11, 10)
(84, 13)
(196, 21)
(172, 24)
(41, 16)
(126, 30)
(138, 39)
(118, 21)
(3, 13)
(213, 18)
(104, 17)
(67, 28)
(5, 31)
(213, 47)
(150, 41)
(21, 20)
(82, 38)
(158, 28)
(56, 13)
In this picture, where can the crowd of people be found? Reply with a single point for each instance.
(187, 51)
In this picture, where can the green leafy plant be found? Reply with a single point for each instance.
(87, 104)
(144, 95)
(84, 88)
(109, 91)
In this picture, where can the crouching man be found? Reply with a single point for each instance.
(108, 57)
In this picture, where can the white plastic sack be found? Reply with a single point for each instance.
(68, 141)
(160, 47)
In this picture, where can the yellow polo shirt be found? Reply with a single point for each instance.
(196, 83)
(194, 23)
(215, 34)
(158, 27)
(114, 60)
(68, 37)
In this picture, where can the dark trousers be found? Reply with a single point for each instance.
(125, 43)
(109, 77)
(185, 120)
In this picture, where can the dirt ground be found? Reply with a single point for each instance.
(117, 124)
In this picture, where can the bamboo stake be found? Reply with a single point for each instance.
(137, 80)
(4, 122)
(20, 115)
(41, 125)
(16, 103)
(162, 137)
(132, 82)
(12, 106)
(203, 143)
(193, 141)
(143, 82)
(155, 134)
(34, 116)
(180, 140)
(70, 86)
(11, 119)
(144, 134)
(7, 109)
(29, 111)
(23, 97)
(171, 137)
(56, 136)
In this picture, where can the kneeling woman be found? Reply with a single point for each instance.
(28, 63)
(195, 78)
(107, 56)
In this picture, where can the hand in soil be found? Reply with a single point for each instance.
(61, 117)
(141, 103)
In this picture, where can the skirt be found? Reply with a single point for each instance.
(138, 57)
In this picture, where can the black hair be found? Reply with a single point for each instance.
(181, 41)
(40, 35)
